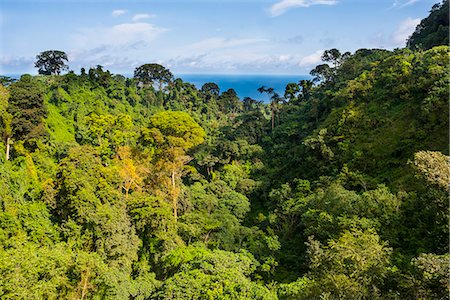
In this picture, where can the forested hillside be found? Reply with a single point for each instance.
(149, 188)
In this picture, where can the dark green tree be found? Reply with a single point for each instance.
(291, 91)
(228, 102)
(210, 88)
(306, 86)
(51, 62)
(149, 74)
(322, 73)
(275, 100)
(335, 57)
(26, 105)
(433, 30)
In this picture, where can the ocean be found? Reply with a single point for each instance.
(244, 85)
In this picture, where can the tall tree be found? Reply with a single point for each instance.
(153, 73)
(173, 133)
(306, 86)
(210, 88)
(26, 105)
(5, 119)
(51, 62)
(291, 91)
(335, 57)
(322, 73)
(274, 103)
(229, 102)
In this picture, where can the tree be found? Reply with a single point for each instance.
(431, 276)
(5, 119)
(100, 77)
(130, 173)
(26, 105)
(351, 267)
(291, 91)
(228, 102)
(173, 133)
(325, 72)
(434, 167)
(153, 73)
(51, 62)
(335, 57)
(6, 80)
(200, 273)
(322, 73)
(306, 86)
(91, 207)
(210, 88)
(274, 103)
(433, 30)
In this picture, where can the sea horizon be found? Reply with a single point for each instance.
(245, 85)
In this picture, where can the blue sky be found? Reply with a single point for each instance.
(201, 36)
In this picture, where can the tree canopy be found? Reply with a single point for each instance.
(433, 30)
(51, 62)
(338, 189)
(153, 73)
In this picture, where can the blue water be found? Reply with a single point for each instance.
(244, 85)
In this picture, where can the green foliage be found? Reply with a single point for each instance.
(202, 273)
(354, 266)
(29, 270)
(26, 105)
(51, 62)
(180, 193)
(431, 278)
(433, 30)
(59, 128)
(434, 167)
(178, 129)
(153, 73)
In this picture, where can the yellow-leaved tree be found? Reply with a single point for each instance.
(173, 134)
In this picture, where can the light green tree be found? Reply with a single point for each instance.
(173, 134)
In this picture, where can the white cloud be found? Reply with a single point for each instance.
(16, 64)
(119, 47)
(118, 35)
(235, 60)
(222, 43)
(403, 3)
(139, 17)
(311, 60)
(284, 57)
(282, 6)
(118, 12)
(404, 30)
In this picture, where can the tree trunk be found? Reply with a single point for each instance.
(7, 147)
(85, 285)
(174, 197)
(273, 119)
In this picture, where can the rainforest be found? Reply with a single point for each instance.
(147, 187)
